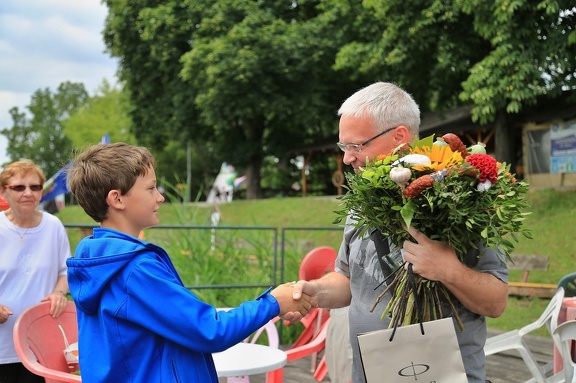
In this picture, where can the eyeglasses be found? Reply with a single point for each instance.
(21, 188)
(357, 148)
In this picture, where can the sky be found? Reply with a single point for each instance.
(47, 42)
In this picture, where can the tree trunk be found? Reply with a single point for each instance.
(504, 142)
(253, 189)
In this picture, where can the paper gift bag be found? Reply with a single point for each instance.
(409, 356)
(70, 352)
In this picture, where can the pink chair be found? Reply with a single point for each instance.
(40, 343)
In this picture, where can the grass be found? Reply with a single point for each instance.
(243, 256)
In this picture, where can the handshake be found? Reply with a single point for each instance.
(294, 304)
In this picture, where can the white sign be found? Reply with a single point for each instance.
(563, 147)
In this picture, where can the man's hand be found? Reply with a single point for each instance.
(480, 292)
(433, 260)
(5, 312)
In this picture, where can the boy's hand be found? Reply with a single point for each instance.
(284, 296)
(301, 289)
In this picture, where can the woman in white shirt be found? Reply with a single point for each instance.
(33, 252)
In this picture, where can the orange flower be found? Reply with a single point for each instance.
(441, 157)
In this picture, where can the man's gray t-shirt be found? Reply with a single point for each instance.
(357, 260)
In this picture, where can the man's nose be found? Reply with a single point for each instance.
(348, 157)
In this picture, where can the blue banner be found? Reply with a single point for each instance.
(105, 139)
(56, 185)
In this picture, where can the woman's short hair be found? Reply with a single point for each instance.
(23, 168)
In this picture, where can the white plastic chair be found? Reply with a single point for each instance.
(514, 339)
(566, 332)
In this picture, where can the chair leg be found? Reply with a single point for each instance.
(321, 370)
(532, 364)
(276, 376)
(317, 326)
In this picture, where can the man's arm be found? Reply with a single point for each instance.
(481, 293)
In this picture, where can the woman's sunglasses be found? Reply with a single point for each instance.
(21, 188)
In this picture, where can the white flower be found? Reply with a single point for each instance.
(414, 159)
(483, 186)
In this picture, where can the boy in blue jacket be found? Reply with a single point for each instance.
(137, 322)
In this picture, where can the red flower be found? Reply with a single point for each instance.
(486, 164)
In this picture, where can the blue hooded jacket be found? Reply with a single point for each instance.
(138, 323)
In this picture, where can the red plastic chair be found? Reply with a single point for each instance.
(39, 341)
(3, 204)
(317, 262)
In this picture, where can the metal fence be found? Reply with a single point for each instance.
(277, 251)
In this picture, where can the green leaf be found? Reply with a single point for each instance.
(407, 213)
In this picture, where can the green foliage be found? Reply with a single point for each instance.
(530, 54)
(551, 211)
(106, 112)
(247, 80)
(245, 44)
(41, 137)
(243, 81)
(495, 55)
(279, 175)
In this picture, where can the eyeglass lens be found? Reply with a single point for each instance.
(358, 147)
(21, 188)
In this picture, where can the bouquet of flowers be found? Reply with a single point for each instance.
(457, 195)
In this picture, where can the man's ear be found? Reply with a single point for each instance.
(114, 200)
(401, 134)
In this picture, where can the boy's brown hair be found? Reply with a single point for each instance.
(105, 167)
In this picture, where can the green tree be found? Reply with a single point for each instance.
(41, 137)
(532, 56)
(246, 79)
(107, 112)
(498, 56)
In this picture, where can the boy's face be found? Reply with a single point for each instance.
(143, 201)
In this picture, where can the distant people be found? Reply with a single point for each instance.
(33, 251)
(137, 321)
(223, 189)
